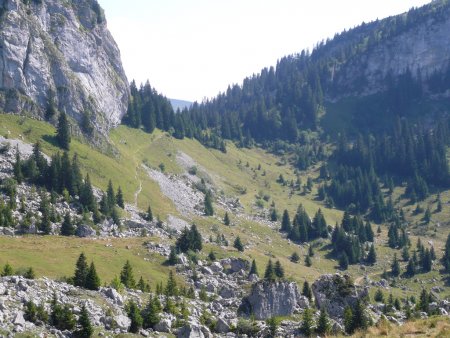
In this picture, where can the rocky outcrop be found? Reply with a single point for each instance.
(61, 54)
(335, 292)
(268, 299)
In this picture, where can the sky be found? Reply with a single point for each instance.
(193, 49)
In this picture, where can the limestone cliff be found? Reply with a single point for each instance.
(60, 53)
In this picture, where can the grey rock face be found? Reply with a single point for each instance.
(190, 331)
(269, 299)
(335, 292)
(65, 51)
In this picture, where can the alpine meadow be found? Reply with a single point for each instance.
(311, 199)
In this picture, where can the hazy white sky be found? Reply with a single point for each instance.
(191, 49)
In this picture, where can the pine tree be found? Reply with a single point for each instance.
(127, 276)
(273, 215)
(17, 167)
(343, 261)
(173, 258)
(171, 287)
(135, 316)
(226, 219)
(285, 222)
(63, 132)
(307, 323)
(427, 216)
(86, 330)
(119, 198)
(295, 258)
(308, 261)
(405, 254)
(306, 290)
(81, 271)
(269, 274)
(410, 268)
(323, 323)
(209, 210)
(238, 244)
(110, 196)
(278, 269)
(92, 279)
(379, 297)
(395, 267)
(7, 270)
(372, 256)
(348, 320)
(359, 320)
(253, 269)
(149, 216)
(67, 229)
(151, 313)
(424, 301)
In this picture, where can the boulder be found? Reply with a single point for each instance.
(122, 322)
(19, 319)
(335, 292)
(190, 331)
(222, 326)
(164, 325)
(112, 294)
(268, 299)
(84, 230)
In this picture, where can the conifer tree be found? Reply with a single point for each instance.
(410, 268)
(209, 210)
(17, 167)
(395, 267)
(295, 258)
(379, 297)
(306, 290)
(67, 228)
(359, 320)
(405, 254)
(171, 286)
(372, 255)
(278, 269)
(119, 198)
(323, 323)
(253, 269)
(110, 196)
(212, 256)
(308, 261)
(149, 215)
(285, 222)
(424, 301)
(63, 132)
(226, 219)
(173, 258)
(151, 313)
(135, 316)
(343, 261)
(273, 215)
(307, 323)
(86, 330)
(127, 276)
(81, 271)
(348, 320)
(269, 274)
(92, 279)
(238, 244)
(7, 270)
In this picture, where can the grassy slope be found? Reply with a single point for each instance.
(228, 171)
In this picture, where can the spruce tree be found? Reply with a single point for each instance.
(405, 254)
(410, 268)
(308, 261)
(111, 196)
(253, 269)
(286, 222)
(119, 198)
(149, 216)
(67, 228)
(295, 258)
(127, 276)
(395, 267)
(359, 320)
(269, 274)
(173, 258)
(379, 297)
(372, 255)
(306, 291)
(151, 313)
(212, 256)
(226, 219)
(323, 323)
(307, 322)
(17, 167)
(278, 269)
(135, 316)
(348, 320)
(238, 244)
(63, 132)
(209, 210)
(343, 261)
(424, 301)
(171, 286)
(81, 271)
(92, 279)
(85, 327)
